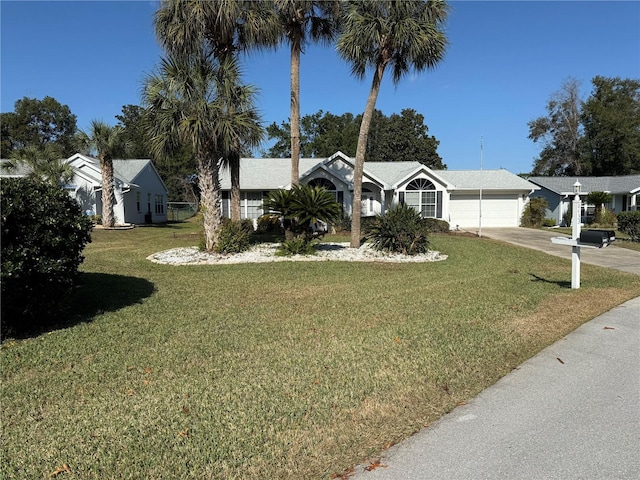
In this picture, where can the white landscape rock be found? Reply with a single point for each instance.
(266, 252)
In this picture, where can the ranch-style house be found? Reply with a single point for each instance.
(458, 197)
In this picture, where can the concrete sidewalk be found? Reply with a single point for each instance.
(570, 412)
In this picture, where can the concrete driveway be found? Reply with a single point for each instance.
(610, 257)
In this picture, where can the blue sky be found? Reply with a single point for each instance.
(504, 61)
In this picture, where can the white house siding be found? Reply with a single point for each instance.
(498, 210)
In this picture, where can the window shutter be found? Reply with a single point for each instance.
(439, 204)
(401, 198)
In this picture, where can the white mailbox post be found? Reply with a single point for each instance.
(588, 239)
(575, 235)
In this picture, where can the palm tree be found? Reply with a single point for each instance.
(183, 103)
(221, 28)
(239, 124)
(599, 200)
(404, 35)
(109, 143)
(43, 163)
(302, 20)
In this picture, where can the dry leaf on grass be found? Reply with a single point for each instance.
(63, 469)
(374, 465)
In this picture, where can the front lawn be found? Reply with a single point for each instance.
(278, 370)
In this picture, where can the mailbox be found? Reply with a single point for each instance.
(597, 238)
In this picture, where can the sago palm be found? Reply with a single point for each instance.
(402, 35)
(303, 21)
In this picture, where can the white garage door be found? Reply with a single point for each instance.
(498, 210)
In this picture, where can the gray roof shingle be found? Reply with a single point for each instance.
(611, 184)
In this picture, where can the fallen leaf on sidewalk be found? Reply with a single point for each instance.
(560, 360)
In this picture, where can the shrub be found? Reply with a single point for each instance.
(297, 246)
(607, 219)
(400, 229)
(235, 237)
(534, 213)
(343, 224)
(43, 235)
(598, 199)
(269, 224)
(435, 225)
(629, 223)
(567, 216)
(549, 222)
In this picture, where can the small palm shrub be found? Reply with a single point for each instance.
(629, 223)
(299, 209)
(234, 237)
(534, 213)
(297, 246)
(400, 229)
(549, 222)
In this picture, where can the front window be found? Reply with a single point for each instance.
(160, 204)
(252, 204)
(421, 195)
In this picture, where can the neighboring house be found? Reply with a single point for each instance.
(140, 193)
(558, 191)
(453, 196)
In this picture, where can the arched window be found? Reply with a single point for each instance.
(322, 182)
(421, 194)
(330, 187)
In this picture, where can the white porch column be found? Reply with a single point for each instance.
(633, 205)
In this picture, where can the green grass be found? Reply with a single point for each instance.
(280, 370)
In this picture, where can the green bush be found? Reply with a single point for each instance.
(235, 237)
(43, 235)
(269, 224)
(534, 213)
(297, 246)
(343, 224)
(567, 216)
(629, 223)
(549, 222)
(435, 225)
(607, 219)
(400, 229)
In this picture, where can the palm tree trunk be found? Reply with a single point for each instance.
(295, 112)
(209, 182)
(361, 149)
(108, 195)
(234, 166)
